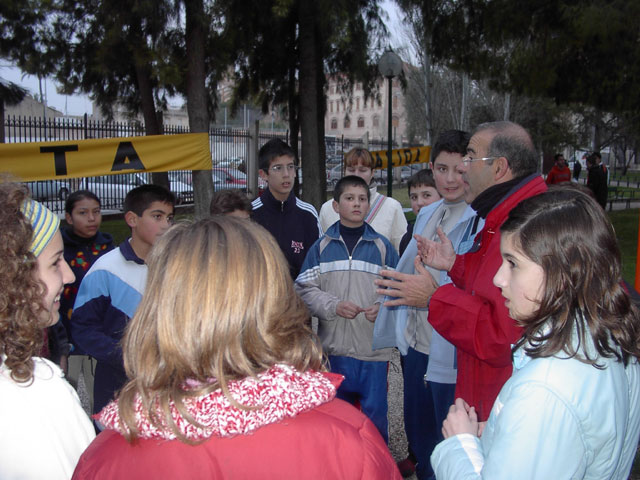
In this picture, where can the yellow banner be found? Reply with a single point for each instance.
(106, 156)
(401, 156)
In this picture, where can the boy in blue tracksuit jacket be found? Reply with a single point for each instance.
(292, 222)
(336, 283)
(112, 289)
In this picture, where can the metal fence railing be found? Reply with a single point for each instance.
(229, 154)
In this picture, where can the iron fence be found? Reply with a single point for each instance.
(229, 154)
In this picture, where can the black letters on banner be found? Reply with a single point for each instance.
(59, 157)
(126, 151)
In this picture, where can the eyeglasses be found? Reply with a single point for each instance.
(291, 168)
(467, 160)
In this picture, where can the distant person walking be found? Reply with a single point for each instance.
(559, 173)
(597, 179)
(577, 168)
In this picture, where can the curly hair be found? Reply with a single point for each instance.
(569, 236)
(21, 330)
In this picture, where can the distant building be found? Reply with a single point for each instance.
(30, 107)
(355, 118)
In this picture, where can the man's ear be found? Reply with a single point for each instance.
(335, 206)
(501, 169)
(262, 174)
(68, 218)
(131, 218)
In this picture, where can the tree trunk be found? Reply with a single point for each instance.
(197, 98)
(464, 118)
(148, 104)
(2, 139)
(426, 71)
(312, 191)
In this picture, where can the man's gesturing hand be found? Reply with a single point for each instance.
(413, 290)
(439, 255)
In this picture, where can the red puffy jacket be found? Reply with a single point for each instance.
(482, 330)
(330, 441)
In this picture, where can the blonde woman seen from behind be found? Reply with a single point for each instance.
(225, 378)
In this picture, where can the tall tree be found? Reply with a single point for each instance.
(288, 47)
(573, 52)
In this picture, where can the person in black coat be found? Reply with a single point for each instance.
(597, 181)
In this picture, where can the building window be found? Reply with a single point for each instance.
(357, 103)
(334, 124)
(331, 106)
(395, 102)
(364, 104)
(347, 122)
(376, 121)
(360, 122)
(395, 121)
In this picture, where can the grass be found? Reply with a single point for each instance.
(625, 223)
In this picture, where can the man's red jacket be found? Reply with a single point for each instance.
(481, 330)
(558, 175)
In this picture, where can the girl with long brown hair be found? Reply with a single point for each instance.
(572, 407)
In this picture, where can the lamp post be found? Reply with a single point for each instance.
(389, 66)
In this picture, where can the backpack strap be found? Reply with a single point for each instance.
(375, 208)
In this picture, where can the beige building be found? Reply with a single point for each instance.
(354, 117)
(30, 107)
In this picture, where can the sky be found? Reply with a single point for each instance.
(81, 104)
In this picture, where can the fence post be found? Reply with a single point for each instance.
(252, 163)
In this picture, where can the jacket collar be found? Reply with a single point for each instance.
(297, 392)
(272, 202)
(334, 232)
(100, 238)
(127, 252)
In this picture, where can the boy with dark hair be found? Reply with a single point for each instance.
(560, 172)
(422, 192)
(292, 222)
(427, 397)
(230, 202)
(336, 283)
(112, 288)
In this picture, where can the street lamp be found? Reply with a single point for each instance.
(389, 66)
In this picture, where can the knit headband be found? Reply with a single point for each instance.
(44, 223)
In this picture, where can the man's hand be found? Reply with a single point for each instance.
(371, 312)
(439, 255)
(461, 419)
(411, 289)
(348, 309)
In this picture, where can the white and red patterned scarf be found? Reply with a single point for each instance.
(281, 392)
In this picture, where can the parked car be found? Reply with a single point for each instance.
(234, 178)
(43, 190)
(112, 189)
(333, 175)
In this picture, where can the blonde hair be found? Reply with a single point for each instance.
(219, 305)
(357, 156)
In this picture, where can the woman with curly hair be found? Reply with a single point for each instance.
(572, 407)
(44, 429)
(225, 378)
